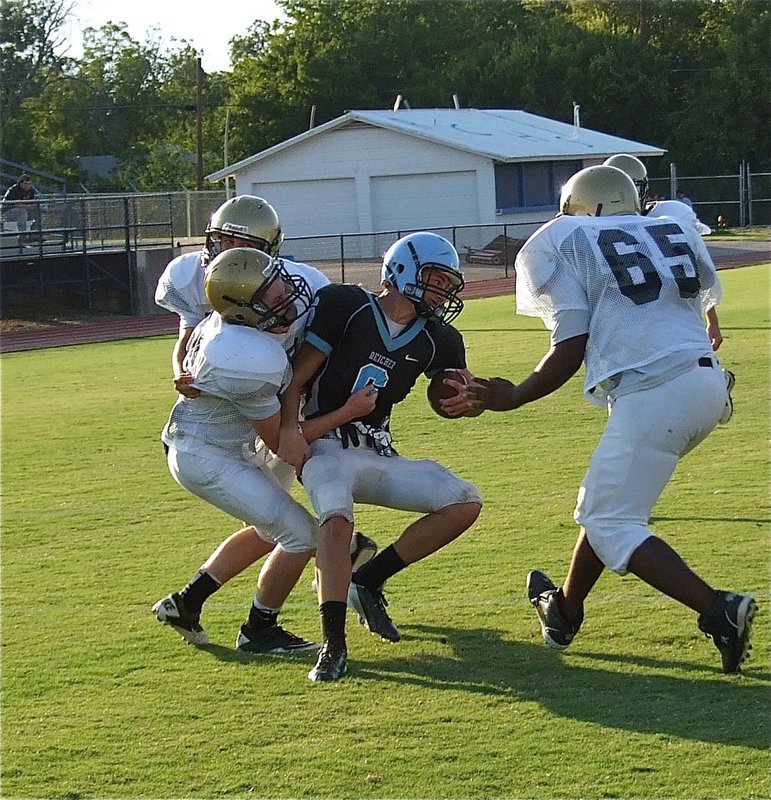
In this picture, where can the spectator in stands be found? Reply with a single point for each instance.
(683, 198)
(19, 202)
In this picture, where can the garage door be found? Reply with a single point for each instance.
(310, 208)
(424, 201)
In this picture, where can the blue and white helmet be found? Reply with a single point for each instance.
(404, 267)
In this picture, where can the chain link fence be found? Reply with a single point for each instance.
(741, 199)
(486, 251)
(91, 222)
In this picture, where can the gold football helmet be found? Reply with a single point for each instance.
(245, 217)
(599, 192)
(635, 169)
(238, 282)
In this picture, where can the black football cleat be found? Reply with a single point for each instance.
(728, 622)
(271, 639)
(370, 605)
(363, 550)
(172, 611)
(331, 664)
(557, 632)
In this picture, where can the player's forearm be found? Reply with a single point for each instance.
(179, 352)
(307, 362)
(177, 357)
(556, 368)
(292, 446)
(313, 429)
(267, 430)
(290, 407)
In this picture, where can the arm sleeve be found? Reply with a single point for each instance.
(332, 309)
(547, 287)
(711, 292)
(569, 324)
(180, 290)
(255, 397)
(449, 350)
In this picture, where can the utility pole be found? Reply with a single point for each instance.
(199, 123)
(226, 152)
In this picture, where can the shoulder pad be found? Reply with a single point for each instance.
(184, 269)
(236, 349)
(345, 292)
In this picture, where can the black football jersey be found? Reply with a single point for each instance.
(349, 327)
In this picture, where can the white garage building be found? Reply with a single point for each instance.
(411, 169)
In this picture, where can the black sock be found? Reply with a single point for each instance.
(376, 572)
(197, 592)
(261, 618)
(333, 621)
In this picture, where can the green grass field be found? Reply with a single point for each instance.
(100, 701)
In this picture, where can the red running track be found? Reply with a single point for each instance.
(726, 255)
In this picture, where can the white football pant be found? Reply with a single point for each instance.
(336, 478)
(248, 492)
(646, 435)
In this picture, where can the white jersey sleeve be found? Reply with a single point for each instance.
(240, 372)
(640, 281)
(180, 289)
(544, 287)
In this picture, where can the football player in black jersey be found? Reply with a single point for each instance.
(356, 339)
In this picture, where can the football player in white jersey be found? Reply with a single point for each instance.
(684, 215)
(237, 357)
(243, 221)
(624, 294)
(357, 339)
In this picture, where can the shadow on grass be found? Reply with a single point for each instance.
(723, 709)
(230, 654)
(759, 521)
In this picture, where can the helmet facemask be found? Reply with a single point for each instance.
(449, 305)
(295, 303)
(240, 279)
(213, 246)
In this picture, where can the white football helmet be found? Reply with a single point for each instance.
(599, 192)
(635, 169)
(237, 281)
(404, 265)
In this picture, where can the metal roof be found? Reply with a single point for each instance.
(499, 134)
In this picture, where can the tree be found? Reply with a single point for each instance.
(687, 76)
(130, 100)
(30, 37)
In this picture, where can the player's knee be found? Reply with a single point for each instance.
(337, 530)
(458, 492)
(328, 494)
(465, 514)
(296, 529)
(614, 542)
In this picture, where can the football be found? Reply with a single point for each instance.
(438, 390)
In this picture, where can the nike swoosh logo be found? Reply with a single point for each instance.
(410, 358)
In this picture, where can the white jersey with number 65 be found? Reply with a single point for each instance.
(637, 285)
